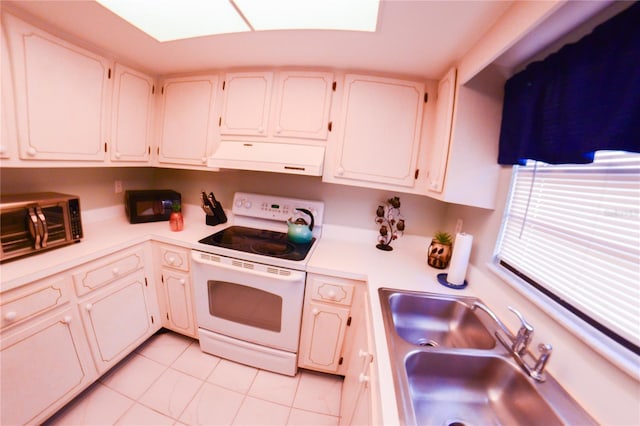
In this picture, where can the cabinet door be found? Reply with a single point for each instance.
(8, 138)
(62, 96)
(187, 120)
(381, 124)
(131, 115)
(117, 320)
(322, 336)
(247, 99)
(356, 405)
(178, 299)
(44, 364)
(303, 105)
(439, 149)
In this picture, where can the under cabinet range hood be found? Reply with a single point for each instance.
(269, 157)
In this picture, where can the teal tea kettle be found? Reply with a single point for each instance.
(299, 231)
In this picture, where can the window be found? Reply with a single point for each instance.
(573, 233)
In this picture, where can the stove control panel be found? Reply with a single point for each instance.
(272, 207)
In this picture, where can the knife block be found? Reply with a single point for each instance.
(213, 220)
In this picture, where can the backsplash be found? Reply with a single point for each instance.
(345, 205)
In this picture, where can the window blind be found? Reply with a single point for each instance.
(573, 232)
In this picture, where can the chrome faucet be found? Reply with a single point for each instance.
(519, 342)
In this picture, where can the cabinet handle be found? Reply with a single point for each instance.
(315, 311)
(182, 281)
(363, 378)
(11, 316)
(118, 155)
(3, 149)
(260, 129)
(204, 160)
(31, 151)
(88, 307)
(340, 171)
(278, 129)
(67, 319)
(115, 271)
(363, 354)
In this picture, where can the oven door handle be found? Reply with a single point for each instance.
(292, 276)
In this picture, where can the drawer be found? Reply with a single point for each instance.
(107, 270)
(174, 257)
(33, 299)
(331, 289)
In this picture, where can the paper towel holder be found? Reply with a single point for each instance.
(442, 279)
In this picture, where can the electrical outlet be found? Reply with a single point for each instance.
(458, 226)
(118, 186)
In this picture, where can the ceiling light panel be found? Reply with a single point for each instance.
(167, 20)
(356, 15)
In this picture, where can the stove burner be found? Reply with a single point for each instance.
(272, 248)
(258, 241)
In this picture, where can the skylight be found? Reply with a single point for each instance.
(167, 20)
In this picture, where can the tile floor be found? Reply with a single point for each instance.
(169, 381)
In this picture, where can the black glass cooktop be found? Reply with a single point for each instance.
(258, 241)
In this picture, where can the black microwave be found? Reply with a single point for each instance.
(150, 205)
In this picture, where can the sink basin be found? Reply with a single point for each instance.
(453, 389)
(437, 321)
(449, 371)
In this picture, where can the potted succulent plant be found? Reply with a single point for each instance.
(176, 221)
(439, 253)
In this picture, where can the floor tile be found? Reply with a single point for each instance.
(255, 412)
(212, 405)
(164, 348)
(140, 415)
(196, 363)
(98, 405)
(133, 376)
(274, 387)
(233, 376)
(309, 418)
(171, 393)
(319, 393)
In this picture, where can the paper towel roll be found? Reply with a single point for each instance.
(460, 258)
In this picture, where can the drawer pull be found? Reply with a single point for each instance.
(182, 281)
(332, 294)
(88, 307)
(171, 260)
(115, 271)
(67, 319)
(315, 312)
(11, 316)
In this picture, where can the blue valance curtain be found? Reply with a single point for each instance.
(581, 99)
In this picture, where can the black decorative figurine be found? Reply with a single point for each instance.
(391, 223)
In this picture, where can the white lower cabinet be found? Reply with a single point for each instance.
(326, 315)
(359, 400)
(45, 359)
(118, 319)
(175, 292)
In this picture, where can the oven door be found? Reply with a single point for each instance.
(248, 301)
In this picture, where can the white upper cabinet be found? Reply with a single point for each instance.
(187, 122)
(296, 105)
(8, 139)
(132, 110)
(439, 146)
(247, 97)
(380, 135)
(303, 104)
(62, 96)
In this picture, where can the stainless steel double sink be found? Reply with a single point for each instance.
(449, 369)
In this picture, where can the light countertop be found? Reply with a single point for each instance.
(341, 252)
